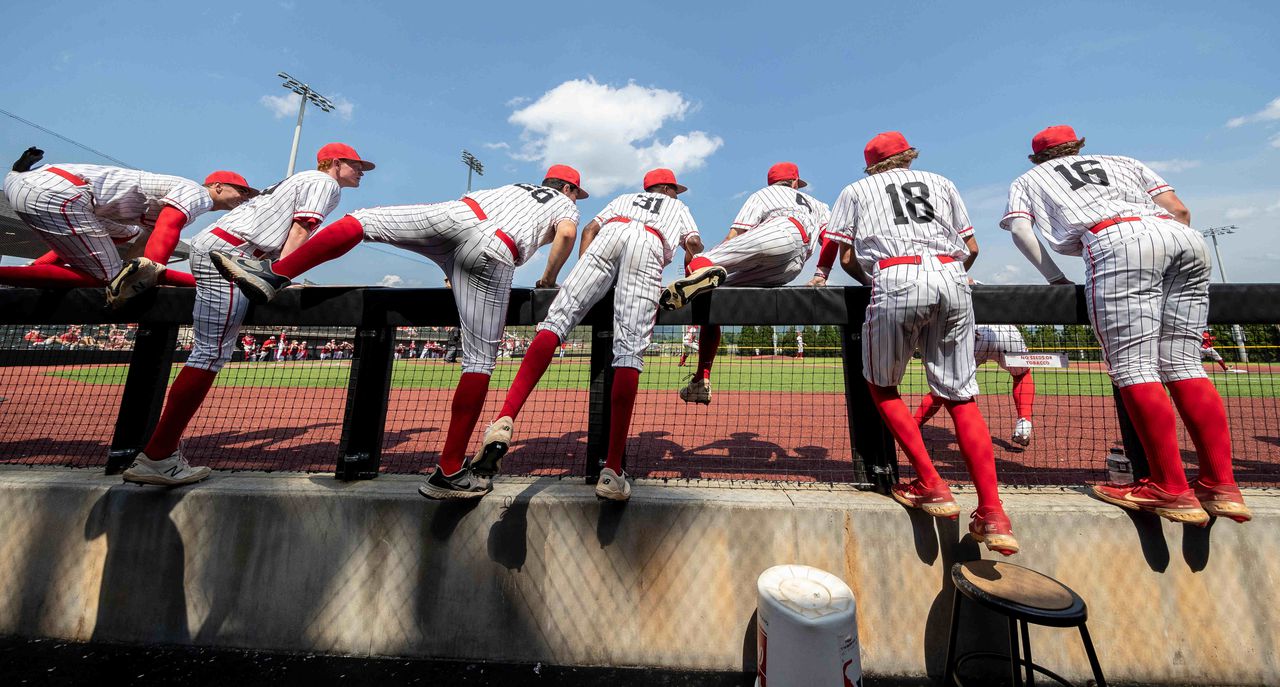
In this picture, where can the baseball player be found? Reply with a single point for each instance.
(907, 234)
(690, 344)
(275, 223)
(992, 342)
(1208, 352)
(478, 241)
(773, 235)
(799, 345)
(1147, 290)
(83, 211)
(627, 244)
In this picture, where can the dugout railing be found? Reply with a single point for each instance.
(357, 431)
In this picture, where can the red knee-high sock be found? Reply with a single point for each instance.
(928, 408)
(622, 401)
(698, 263)
(534, 365)
(185, 396)
(176, 278)
(897, 416)
(708, 344)
(683, 357)
(975, 445)
(327, 244)
(1024, 394)
(1152, 414)
(50, 258)
(48, 277)
(1201, 409)
(468, 400)
(164, 238)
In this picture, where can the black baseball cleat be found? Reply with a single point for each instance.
(30, 158)
(497, 440)
(136, 277)
(463, 484)
(683, 290)
(254, 277)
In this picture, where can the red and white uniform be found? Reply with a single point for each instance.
(994, 340)
(691, 337)
(907, 229)
(1146, 275)
(478, 242)
(779, 228)
(259, 229)
(639, 233)
(82, 211)
(1207, 351)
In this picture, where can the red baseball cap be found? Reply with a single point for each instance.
(569, 174)
(342, 151)
(1053, 136)
(885, 145)
(224, 177)
(662, 175)
(785, 171)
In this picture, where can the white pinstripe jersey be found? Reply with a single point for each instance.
(265, 221)
(131, 196)
(899, 213)
(527, 213)
(1066, 196)
(772, 202)
(669, 216)
(691, 335)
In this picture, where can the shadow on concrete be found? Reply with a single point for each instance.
(1195, 545)
(448, 515)
(751, 645)
(1155, 550)
(608, 521)
(980, 630)
(509, 536)
(141, 598)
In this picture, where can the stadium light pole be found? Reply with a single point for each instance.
(473, 165)
(1213, 233)
(307, 94)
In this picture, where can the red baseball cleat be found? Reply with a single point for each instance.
(1222, 500)
(936, 501)
(1143, 495)
(994, 529)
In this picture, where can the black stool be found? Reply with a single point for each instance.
(1023, 596)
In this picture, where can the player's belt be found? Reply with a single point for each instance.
(911, 260)
(511, 244)
(475, 207)
(75, 180)
(647, 228)
(800, 228)
(1120, 220)
(233, 240)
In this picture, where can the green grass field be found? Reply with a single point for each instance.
(731, 374)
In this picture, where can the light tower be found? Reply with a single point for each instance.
(307, 95)
(1213, 233)
(473, 165)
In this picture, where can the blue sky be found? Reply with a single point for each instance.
(719, 91)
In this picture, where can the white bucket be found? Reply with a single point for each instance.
(806, 629)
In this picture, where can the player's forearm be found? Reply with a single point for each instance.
(733, 232)
(560, 249)
(972, 244)
(588, 235)
(849, 263)
(827, 256)
(297, 235)
(1174, 206)
(1029, 245)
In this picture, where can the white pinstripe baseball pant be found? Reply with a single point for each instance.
(631, 255)
(771, 254)
(479, 265)
(927, 306)
(220, 307)
(1147, 287)
(62, 214)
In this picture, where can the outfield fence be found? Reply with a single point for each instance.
(88, 394)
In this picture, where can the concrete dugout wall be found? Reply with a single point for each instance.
(541, 571)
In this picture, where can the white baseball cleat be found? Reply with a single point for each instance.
(683, 290)
(1022, 432)
(613, 486)
(494, 445)
(137, 276)
(170, 472)
(698, 390)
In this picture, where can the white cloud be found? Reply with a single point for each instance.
(1007, 274)
(1270, 113)
(282, 106)
(517, 101)
(391, 280)
(1274, 141)
(740, 194)
(497, 146)
(610, 134)
(1240, 213)
(1173, 166)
